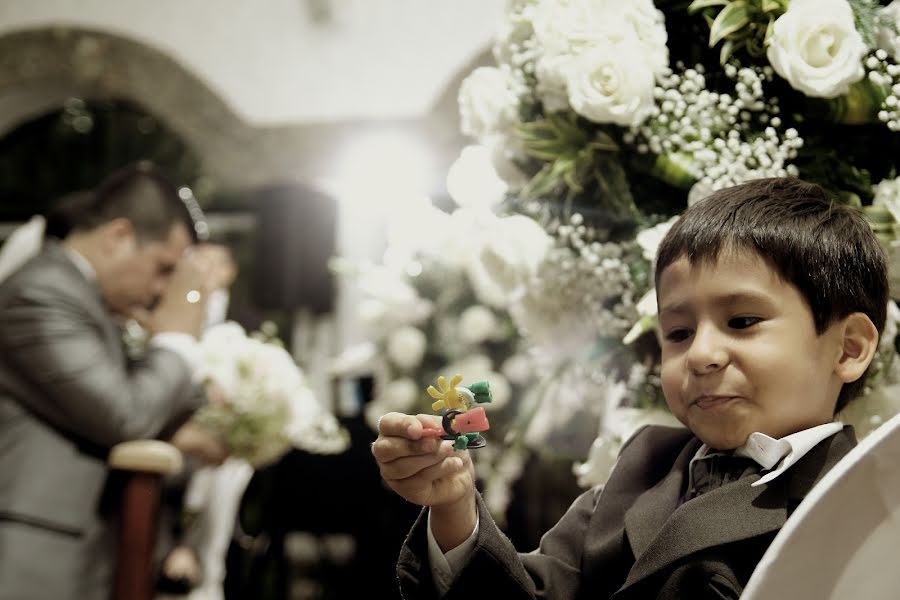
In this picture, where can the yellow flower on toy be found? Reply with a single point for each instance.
(448, 397)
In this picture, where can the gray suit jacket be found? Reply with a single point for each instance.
(68, 394)
(635, 539)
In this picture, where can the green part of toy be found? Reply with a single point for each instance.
(482, 392)
(469, 441)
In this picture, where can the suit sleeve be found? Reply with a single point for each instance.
(496, 569)
(70, 376)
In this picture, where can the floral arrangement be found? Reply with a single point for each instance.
(605, 119)
(266, 407)
(429, 308)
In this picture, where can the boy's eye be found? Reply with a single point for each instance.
(678, 335)
(743, 322)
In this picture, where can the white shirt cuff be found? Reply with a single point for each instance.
(183, 344)
(444, 567)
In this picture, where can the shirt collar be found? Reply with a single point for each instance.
(81, 263)
(777, 456)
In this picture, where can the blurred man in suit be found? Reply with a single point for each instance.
(68, 392)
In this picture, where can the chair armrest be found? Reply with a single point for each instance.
(146, 456)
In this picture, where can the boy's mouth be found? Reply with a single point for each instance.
(711, 401)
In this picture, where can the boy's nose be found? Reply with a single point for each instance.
(708, 352)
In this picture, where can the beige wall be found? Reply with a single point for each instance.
(293, 61)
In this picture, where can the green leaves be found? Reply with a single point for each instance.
(858, 106)
(739, 24)
(568, 148)
(731, 19)
(580, 161)
(701, 4)
(868, 18)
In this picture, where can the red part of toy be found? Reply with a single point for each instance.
(471, 421)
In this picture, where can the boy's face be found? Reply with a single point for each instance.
(740, 351)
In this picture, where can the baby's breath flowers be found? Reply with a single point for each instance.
(717, 139)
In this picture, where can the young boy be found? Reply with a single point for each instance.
(771, 301)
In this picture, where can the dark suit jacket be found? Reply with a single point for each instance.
(68, 394)
(634, 539)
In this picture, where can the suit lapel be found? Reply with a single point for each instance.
(648, 514)
(661, 534)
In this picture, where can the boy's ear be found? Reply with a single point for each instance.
(859, 341)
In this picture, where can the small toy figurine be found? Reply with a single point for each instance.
(461, 423)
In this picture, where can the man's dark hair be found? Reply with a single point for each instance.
(67, 212)
(140, 193)
(826, 250)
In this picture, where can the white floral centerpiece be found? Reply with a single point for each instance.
(607, 118)
(430, 308)
(266, 407)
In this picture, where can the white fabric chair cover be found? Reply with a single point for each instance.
(843, 541)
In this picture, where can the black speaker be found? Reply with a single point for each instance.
(295, 239)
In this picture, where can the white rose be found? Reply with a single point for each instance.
(649, 24)
(600, 462)
(886, 343)
(887, 38)
(501, 391)
(478, 368)
(518, 368)
(472, 180)
(551, 88)
(564, 33)
(506, 153)
(557, 25)
(406, 347)
(508, 257)
(887, 194)
(700, 190)
(488, 102)
(398, 395)
(649, 239)
(612, 83)
(472, 367)
(816, 47)
(595, 21)
(390, 301)
(477, 324)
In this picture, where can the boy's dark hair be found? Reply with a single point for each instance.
(826, 250)
(139, 192)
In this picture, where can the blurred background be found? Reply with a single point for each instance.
(331, 145)
(299, 126)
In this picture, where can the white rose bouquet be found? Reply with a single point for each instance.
(266, 407)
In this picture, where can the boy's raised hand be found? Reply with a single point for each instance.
(427, 471)
(424, 470)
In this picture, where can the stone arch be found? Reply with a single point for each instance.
(41, 68)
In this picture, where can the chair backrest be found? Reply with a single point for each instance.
(146, 463)
(842, 541)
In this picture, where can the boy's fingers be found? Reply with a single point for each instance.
(421, 423)
(421, 488)
(394, 424)
(389, 449)
(410, 466)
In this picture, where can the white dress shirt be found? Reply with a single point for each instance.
(774, 456)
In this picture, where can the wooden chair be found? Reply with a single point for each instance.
(146, 462)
